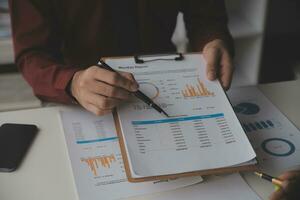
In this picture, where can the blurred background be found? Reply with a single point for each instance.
(266, 34)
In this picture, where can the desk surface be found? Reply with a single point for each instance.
(46, 172)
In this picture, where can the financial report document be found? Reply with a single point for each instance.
(96, 160)
(202, 133)
(275, 139)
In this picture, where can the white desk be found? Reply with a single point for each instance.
(46, 172)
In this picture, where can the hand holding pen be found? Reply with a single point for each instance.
(287, 185)
(99, 90)
(140, 95)
(290, 189)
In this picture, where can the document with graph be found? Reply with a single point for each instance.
(275, 139)
(201, 134)
(96, 159)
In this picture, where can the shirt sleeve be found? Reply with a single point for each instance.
(205, 21)
(37, 45)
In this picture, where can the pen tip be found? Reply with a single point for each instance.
(166, 114)
(257, 173)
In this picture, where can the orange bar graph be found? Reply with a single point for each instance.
(198, 91)
(94, 162)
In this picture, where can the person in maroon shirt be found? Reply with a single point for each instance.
(57, 43)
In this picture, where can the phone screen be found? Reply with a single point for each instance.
(15, 139)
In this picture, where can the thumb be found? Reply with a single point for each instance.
(212, 58)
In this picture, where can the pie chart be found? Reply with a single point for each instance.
(150, 89)
(278, 147)
(246, 108)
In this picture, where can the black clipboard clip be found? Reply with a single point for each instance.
(139, 59)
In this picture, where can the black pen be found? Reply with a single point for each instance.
(272, 179)
(138, 93)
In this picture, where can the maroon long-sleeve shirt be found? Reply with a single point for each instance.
(55, 38)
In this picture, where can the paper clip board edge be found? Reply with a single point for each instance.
(122, 145)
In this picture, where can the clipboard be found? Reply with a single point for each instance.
(232, 169)
(149, 58)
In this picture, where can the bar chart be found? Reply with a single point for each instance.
(199, 90)
(94, 163)
(258, 125)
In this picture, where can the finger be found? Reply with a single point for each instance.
(97, 111)
(114, 79)
(102, 102)
(128, 76)
(212, 57)
(277, 195)
(289, 175)
(226, 70)
(108, 90)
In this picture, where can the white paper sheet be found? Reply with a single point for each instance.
(203, 133)
(228, 187)
(97, 163)
(275, 139)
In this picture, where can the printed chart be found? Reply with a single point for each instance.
(201, 120)
(150, 89)
(100, 157)
(199, 90)
(96, 159)
(96, 162)
(278, 147)
(275, 139)
(169, 91)
(258, 125)
(246, 108)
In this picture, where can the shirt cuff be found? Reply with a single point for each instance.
(62, 80)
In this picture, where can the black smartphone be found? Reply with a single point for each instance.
(15, 139)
